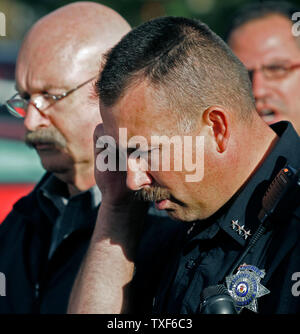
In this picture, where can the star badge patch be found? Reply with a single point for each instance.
(240, 229)
(244, 287)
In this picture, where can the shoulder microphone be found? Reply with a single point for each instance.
(216, 299)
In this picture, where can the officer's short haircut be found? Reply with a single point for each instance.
(260, 10)
(188, 66)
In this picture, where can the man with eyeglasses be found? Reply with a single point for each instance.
(44, 238)
(261, 37)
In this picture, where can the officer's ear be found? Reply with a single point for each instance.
(217, 119)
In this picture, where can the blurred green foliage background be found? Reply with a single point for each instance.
(21, 14)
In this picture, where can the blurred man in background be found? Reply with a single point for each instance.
(43, 239)
(262, 38)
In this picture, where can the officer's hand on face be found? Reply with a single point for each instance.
(111, 183)
(119, 203)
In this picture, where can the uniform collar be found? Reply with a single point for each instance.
(54, 193)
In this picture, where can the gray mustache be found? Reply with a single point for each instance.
(152, 194)
(45, 136)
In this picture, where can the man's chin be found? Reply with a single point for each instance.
(182, 215)
(55, 162)
(55, 169)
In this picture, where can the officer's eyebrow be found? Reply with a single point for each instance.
(148, 150)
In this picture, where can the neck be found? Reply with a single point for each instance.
(259, 141)
(252, 145)
(263, 139)
(78, 182)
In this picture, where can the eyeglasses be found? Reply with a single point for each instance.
(17, 105)
(274, 71)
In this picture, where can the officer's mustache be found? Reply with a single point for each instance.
(152, 194)
(49, 136)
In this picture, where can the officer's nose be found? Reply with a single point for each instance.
(34, 119)
(137, 175)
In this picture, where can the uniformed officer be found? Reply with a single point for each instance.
(174, 77)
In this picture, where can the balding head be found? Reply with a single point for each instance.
(62, 51)
(72, 37)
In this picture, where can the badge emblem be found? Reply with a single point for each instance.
(244, 287)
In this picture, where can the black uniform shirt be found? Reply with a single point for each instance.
(202, 254)
(66, 214)
(42, 243)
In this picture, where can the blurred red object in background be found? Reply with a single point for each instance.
(10, 194)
